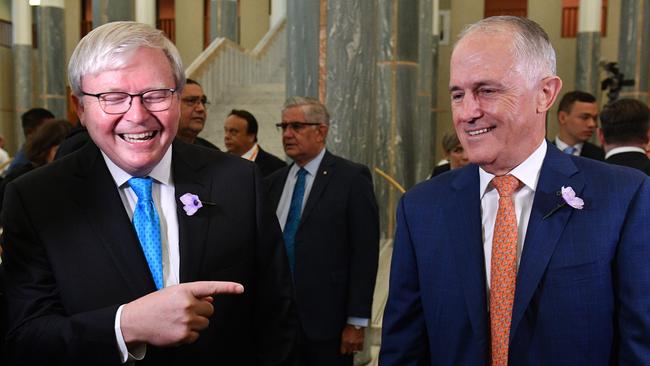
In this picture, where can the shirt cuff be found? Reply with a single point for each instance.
(136, 354)
(360, 322)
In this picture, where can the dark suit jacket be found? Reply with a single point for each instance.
(583, 285)
(72, 257)
(337, 246)
(632, 159)
(437, 170)
(205, 143)
(268, 163)
(590, 151)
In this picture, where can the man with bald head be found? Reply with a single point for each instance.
(128, 249)
(549, 264)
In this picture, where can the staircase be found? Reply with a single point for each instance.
(235, 78)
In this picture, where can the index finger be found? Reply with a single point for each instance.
(202, 289)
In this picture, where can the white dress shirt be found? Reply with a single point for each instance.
(285, 200)
(165, 202)
(563, 145)
(528, 173)
(624, 149)
(252, 153)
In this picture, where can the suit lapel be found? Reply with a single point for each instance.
(98, 196)
(322, 178)
(547, 221)
(467, 243)
(192, 230)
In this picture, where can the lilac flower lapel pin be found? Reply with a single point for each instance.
(191, 203)
(570, 198)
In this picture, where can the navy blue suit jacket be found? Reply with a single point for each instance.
(583, 286)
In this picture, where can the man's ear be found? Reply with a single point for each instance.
(79, 108)
(548, 92)
(323, 129)
(561, 117)
(601, 136)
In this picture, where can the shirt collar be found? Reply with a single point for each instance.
(249, 154)
(311, 167)
(527, 172)
(624, 149)
(563, 145)
(161, 173)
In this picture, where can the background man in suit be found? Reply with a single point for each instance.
(240, 138)
(107, 261)
(30, 121)
(577, 115)
(194, 111)
(327, 209)
(625, 132)
(529, 276)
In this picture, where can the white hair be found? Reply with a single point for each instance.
(530, 43)
(110, 46)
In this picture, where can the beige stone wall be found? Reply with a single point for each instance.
(254, 21)
(72, 27)
(189, 29)
(5, 9)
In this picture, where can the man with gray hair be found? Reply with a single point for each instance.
(548, 265)
(327, 209)
(126, 250)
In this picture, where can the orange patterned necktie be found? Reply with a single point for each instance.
(503, 269)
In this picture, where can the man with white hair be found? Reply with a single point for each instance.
(548, 265)
(128, 249)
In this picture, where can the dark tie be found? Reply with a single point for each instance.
(293, 218)
(147, 225)
(503, 268)
(569, 150)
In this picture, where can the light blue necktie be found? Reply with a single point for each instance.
(147, 225)
(293, 218)
(569, 150)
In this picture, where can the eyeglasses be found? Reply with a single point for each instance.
(156, 100)
(295, 126)
(192, 101)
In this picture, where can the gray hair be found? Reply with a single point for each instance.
(110, 46)
(315, 111)
(530, 43)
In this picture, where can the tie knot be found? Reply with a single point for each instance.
(506, 185)
(301, 173)
(141, 187)
(569, 150)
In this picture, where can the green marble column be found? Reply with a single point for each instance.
(106, 11)
(396, 83)
(21, 15)
(588, 47)
(303, 42)
(223, 19)
(634, 48)
(51, 57)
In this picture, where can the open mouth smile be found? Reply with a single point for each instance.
(138, 137)
(480, 132)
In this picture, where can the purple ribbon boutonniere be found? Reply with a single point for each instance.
(570, 198)
(192, 203)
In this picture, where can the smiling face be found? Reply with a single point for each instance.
(498, 113)
(136, 140)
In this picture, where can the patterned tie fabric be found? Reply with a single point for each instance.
(569, 150)
(293, 218)
(503, 269)
(147, 225)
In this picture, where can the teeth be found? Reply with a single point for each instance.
(478, 132)
(138, 137)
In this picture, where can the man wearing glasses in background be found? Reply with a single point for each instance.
(327, 209)
(194, 111)
(129, 249)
